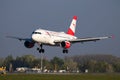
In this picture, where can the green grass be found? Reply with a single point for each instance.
(115, 76)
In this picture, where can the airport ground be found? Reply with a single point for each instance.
(62, 76)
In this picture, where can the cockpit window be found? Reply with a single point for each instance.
(36, 33)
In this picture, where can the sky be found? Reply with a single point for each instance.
(95, 18)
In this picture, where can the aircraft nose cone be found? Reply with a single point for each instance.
(33, 37)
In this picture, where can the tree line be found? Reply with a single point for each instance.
(99, 63)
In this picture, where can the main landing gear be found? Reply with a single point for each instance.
(65, 51)
(41, 50)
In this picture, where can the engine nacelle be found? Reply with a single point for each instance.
(65, 44)
(29, 44)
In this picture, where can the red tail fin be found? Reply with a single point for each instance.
(71, 30)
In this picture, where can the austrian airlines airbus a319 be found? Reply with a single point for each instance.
(52, 38)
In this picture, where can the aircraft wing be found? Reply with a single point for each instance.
(88, 39)
(82, 40)
(21, 39)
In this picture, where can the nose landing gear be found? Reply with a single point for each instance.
(41, 50)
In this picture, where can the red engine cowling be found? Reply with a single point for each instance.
(65, 44)
(29, 44)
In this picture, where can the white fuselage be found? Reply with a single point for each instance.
(49, 37)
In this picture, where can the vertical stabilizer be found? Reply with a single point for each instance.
(71, 30)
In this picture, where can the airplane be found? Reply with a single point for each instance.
(53, 38)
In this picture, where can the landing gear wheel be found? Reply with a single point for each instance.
(41, 51)
(38, 49)
(65, 51)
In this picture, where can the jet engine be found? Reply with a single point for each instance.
(29, 44)
(65, 44)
